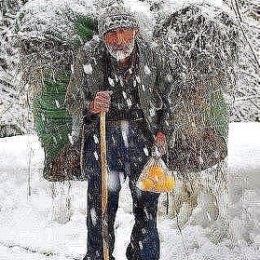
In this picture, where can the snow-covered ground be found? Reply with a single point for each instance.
(31, 229)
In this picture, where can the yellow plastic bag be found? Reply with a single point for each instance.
(156, 177)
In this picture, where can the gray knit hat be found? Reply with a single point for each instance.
(116, 16)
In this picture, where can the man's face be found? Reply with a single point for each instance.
(120, 42)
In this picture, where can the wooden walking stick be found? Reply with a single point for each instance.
(104, 184)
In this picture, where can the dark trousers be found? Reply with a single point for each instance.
(128, 149)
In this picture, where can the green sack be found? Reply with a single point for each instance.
(52, 120)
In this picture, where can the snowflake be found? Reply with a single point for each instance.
(129, 102)
(93, 216)
(146, 151)
(57, 103)
(111, 82)
(96, 139)
(138, 79)
(147, 70)
(96, 155)
(88, 68)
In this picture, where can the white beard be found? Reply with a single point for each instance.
(121, 54)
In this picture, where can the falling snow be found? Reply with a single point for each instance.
(147, 70)
(93, 216)
(96, 139)
(26, 220)
(111, 82)
(96, 155)
(88, 68)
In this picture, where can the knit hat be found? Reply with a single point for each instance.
(116, 16)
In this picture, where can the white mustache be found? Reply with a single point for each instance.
(120, 54)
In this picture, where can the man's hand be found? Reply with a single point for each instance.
(160, 145)
(101, 102)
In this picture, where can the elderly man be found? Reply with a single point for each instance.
(118, 74)
(148, 105)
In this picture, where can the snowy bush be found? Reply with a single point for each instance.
(13, 105)
(246, 103)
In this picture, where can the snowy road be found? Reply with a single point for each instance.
(28, 232)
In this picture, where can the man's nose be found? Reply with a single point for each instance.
(121, 38)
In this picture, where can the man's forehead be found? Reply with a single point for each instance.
(122, 29)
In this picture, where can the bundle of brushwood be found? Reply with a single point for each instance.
(200, 45)
(47, 37)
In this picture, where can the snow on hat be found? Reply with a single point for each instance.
(116, 16)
